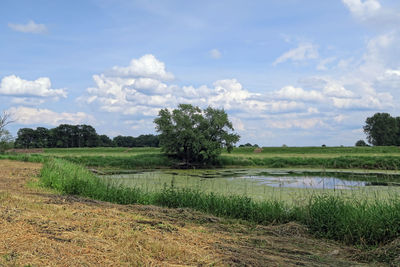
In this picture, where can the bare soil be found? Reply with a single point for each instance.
(41, 228)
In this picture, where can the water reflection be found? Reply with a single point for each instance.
(306, 182)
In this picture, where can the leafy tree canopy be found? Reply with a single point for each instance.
(195, 135)
(382, 130)
(361, 143)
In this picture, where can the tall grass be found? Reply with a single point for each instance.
(350, 221)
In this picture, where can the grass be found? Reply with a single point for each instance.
(42, 228)
(342, 162)
(354, 222)
(377, 158)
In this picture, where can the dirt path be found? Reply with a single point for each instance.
(40, 228)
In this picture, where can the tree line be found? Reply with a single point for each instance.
(68, 136)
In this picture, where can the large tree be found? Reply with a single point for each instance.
(382, 130)
(195, 135)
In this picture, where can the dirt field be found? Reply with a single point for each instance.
(41, 228)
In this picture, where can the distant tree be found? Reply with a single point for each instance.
(382, 130)
(194, 135)
(26, 138)
(248, 145)
(5, 136)
(105, 141)
(361, 143)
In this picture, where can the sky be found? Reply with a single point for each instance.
(293, 72)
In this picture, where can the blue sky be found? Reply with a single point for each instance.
(288, 72)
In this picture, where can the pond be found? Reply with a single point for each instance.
(262, 183)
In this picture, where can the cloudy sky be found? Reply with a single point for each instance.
(294, 72)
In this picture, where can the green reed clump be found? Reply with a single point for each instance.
(330, 216)
(73, 179)
(238, 207)
(353, 221)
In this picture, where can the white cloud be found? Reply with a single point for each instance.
(375, 101)
(215, 53)
(147, 66)
(373, 13)
(295, 123)
(284, 106)
(294, 93)
(363, 9)
(30, 27)
(15, 86)
(335, 89)
(142, 95)
(25, 115)
(303, 52)
(393, 72)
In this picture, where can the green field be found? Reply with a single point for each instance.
(372, 158)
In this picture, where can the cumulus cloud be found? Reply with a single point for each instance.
(373, 13)
(361, 8)
(335, 89)
(375, 101)
(314, 105)
(215, 53)
(142, 95)
(303, 52)
(26, 115)
(294, 93)
(30, 27)
(147, 66)
(15, 86)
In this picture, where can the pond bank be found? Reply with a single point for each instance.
(41, 227)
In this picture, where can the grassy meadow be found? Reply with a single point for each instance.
(352, 221)
(368, 218)
(372, 158)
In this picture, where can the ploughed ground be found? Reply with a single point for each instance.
(39, 227)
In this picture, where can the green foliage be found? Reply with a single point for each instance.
(6, 140)
(69, 136)
(383, 130)
(146, 140)
(354, 221)
(361, 143)
(193, 135)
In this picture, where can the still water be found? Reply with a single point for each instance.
(258, 183)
